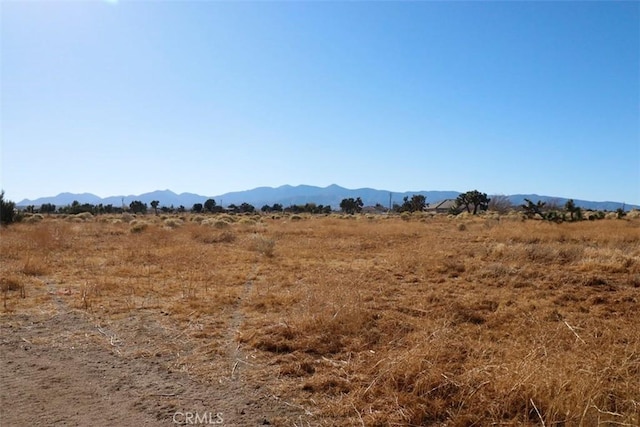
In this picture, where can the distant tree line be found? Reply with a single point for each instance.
(311, 208)
(472, 202)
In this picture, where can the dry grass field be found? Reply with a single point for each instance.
(340, 321)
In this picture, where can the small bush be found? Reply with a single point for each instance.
(247, 221)
(635, 213)
(263, 245)
(172, 222)
(226, 236)
(217, 223)
(32, 219)
(85, 216)
(138, 226)
(127, 217)
(34, 267)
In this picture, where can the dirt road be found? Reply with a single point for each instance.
(64, 367)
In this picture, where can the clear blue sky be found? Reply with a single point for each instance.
(208, 97)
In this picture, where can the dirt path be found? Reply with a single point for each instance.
(67, 368)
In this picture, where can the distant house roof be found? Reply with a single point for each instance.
(443, 205)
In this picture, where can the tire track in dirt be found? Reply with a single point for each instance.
(237, 358)
(67, 369)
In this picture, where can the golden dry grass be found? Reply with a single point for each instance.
(372, 320)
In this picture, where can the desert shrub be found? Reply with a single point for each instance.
(295, 218)
(217, 223)
(226, 236)
(31, 219)
(138, 226)
(635, 213)
(263, 245)
(172, 222)
(34, 266)
(127, 217)
(247, 221)
(226, 218)
(84, 216)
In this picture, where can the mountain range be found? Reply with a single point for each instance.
(287, 195)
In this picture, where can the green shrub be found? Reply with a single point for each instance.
(7, 210)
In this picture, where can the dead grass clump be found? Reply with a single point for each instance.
(33, 219)
(247, 221)
(541, 253)
(453, 267)
(172, 222)
(217, 223)
(10, 283)
(138, 226)
(595, 281)
(263, 245)
(84, 216)
(209, 237)
(34, 266)
(197, 219)
(229, 219)
(127, 217)
(633, 214)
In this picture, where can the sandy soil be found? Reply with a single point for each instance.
(66, 367)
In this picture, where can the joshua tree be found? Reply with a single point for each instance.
(473, 199)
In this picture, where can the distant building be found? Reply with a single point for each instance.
(441, 207)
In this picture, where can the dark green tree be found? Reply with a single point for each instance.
(138, 207)
(351, 205)
(47, 208)
(575, 213)
(7, 210)
(154, 205)
(210, 205)
(247, 208)
(416, 203)
(197, 208)
(532, 209)
(473, 201)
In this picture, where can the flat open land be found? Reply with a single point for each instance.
(319, 321)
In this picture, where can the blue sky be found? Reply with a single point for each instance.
(208, 97)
